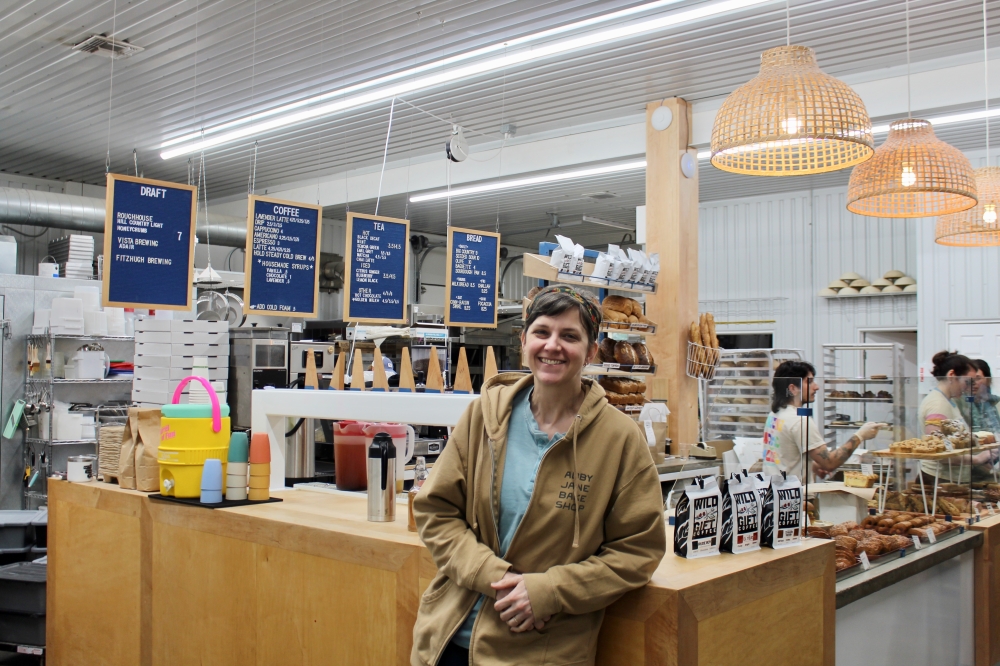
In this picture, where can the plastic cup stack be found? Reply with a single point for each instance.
(236, 469)
(260, 467)
(211, 482)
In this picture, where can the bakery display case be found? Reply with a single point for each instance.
(737, 401)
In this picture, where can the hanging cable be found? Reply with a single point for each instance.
(111, 87)
(986, 79)
(135, 162)
(788, 23)
(252, 180)
(503, 109)
(909, 99)
(385, 154)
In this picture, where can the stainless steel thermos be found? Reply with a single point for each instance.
(382, 479)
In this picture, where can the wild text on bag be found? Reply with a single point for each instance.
(781, 525)
(698, 523)
(740, 515)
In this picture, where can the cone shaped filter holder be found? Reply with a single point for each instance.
(913, 174)
(791, 119)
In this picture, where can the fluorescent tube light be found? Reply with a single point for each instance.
(407, 81)
(531, 180)
(609, 223)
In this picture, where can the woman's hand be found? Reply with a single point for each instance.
(514, 605)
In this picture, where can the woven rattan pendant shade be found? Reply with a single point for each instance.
(791, 119)
(913, 174)
(968, 229)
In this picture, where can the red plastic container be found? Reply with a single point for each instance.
(350, 455)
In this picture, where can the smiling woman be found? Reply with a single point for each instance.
(579, 500)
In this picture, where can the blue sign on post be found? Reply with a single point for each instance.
(282, 258)
(376, 269)
(149, 243)
(471, 278)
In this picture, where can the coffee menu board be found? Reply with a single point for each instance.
(471, 278)
(376, 269)
(282, 253)
(149, 243)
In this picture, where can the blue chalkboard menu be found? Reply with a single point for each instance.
(282, 258)
(471, 278)
(376, 269)
(149, 243)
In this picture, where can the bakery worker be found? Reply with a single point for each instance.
(544, 508)
(794, 385)
(955, 374)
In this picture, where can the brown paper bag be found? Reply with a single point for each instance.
(138, 468)
(147, 466)
(126, 459)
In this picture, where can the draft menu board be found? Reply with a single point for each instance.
(282, 267)
(471, 278)
(149, 243)
(376, 269)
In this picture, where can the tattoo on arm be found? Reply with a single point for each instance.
(831, 460)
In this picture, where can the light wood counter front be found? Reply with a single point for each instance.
(310, 581)
(986, 592)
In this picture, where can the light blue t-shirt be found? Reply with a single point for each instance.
(526, 444)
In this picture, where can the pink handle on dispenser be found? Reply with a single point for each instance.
(216, 411)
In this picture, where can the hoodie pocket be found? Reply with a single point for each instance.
(438, 586)
(572, 638)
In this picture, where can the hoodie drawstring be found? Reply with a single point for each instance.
(475, 484)
(576, 486)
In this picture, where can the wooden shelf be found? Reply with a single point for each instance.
(630, 329)
(537, 266)
(891, 294)
(595, 370)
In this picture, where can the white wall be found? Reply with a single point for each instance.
(766, 258)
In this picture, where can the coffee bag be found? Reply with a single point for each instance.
(781, 522)
(698, 519)
(741, 511)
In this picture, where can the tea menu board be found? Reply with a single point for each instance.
(471, 279)
(282, 253)
(376, 269)
(148, 243)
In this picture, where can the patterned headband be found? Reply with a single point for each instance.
(590, 304)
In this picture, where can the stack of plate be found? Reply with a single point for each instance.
(899, 282)
(75, 256)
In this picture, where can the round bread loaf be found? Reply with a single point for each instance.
(625, 353)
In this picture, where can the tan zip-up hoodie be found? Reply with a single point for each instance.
(593, 530)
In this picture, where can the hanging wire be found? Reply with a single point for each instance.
(450, 123)
(252, 181)
(385, 154)
(447, 163)
(203, 189)
(788, 23)
(909, 99)
(135, 162)
(986, 79)
(343, 136)
(190, 170)
(409, 158)
(503, 142)
(111, 87)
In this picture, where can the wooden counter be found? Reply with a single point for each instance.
(310, 581)
(987, 592)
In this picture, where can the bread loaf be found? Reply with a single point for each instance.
(643, 354)
(625, 354)
(618, 304)
(606, 351)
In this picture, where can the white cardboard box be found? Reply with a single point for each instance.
(152, 372)
(178, 325)
(147, 384)
(152, 336)
(151, 360)
(199, 349)
(214, 374)
(199, 337)
(152, 349)
(152, 325)
(838, 504)
(187, 362)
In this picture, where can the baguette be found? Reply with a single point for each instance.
(711, 329)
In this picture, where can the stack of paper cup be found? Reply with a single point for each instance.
(260, 467)
(211, 482)
(236, 469)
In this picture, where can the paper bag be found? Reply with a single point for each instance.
(138, 468)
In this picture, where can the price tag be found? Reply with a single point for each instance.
(650, 437)
(638, 368)
(865, 564)
(916, 542)
(867, 469)
(930, 535)
(612, 366)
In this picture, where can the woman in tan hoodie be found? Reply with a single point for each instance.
(543, 509)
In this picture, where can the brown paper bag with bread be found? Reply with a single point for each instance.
(138, 465)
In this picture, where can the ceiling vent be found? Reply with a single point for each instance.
(600, 196)
(107, 47)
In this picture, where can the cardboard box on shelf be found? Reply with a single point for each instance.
(160, 337)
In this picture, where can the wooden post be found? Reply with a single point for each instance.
(463, 379)
(434, 384)
(358, 372)
(491, 365)
(379, 380)
(312, 379)
(406, 383)
(337, 381)
(672, 230)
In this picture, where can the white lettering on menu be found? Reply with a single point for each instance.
(272, 249)
(464, 274)
(129, 228)
(368, 249)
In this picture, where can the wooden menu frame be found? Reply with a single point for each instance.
(248, 258)
(348, 254)
(447, 278)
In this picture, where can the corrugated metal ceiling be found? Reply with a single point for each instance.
(54, 113)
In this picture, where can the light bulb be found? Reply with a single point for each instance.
(990, 214)
(790, 125)
(908, 177)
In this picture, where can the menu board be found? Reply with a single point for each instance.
(148, 243)
(471, 278)
(282, 253)
(376, 269)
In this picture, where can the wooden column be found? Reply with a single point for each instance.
(672, 230)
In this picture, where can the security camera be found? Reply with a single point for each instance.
(457, 148)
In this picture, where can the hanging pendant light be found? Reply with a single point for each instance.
(978, 225)
(791, 119)
(912, 174)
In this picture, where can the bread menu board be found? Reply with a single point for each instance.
(148, 243)
(471, 278)
(376, 269)
(282, 253)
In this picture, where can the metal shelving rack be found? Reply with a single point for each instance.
(45, 387)
(834, 379)
(741, 389)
